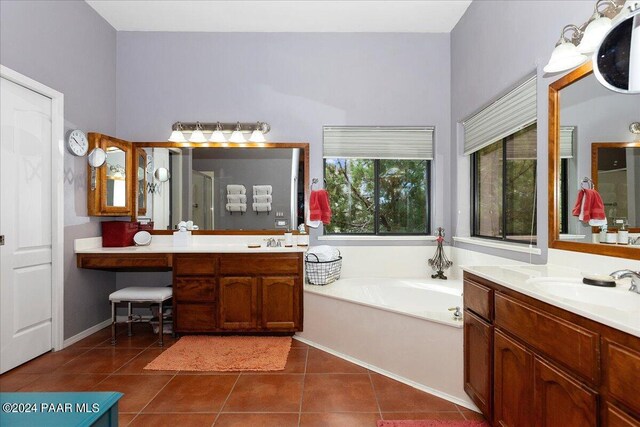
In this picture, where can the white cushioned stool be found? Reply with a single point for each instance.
(138, 294)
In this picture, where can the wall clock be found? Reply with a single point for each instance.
(77, 143)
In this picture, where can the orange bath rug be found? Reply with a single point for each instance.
(206, 353)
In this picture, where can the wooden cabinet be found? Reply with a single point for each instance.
(478, 339)
(111, 187)
(257, 293)
(550, 367)
(280, 302)
(238, 303)
(513, 383)
(560, 400)
(616, 417)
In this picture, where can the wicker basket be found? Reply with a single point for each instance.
(322, 272)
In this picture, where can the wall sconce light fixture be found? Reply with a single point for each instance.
(571, 52)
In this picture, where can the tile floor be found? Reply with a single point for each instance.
(315, 389)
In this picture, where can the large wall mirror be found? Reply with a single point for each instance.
(225, 189)
(591, 146)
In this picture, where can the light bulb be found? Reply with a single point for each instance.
(177, 136)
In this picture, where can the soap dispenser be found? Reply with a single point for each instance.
(623, 235)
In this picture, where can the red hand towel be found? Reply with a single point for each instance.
(593, 205)
(315, 212)
(325, 207)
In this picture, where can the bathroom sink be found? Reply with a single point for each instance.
(573, 290)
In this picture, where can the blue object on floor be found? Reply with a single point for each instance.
(99, 409)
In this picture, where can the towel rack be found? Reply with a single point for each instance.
(314, 181)
(586, 183)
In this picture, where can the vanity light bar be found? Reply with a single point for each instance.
(224, 127)
(217, 130)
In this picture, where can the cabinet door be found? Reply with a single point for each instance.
(280, 303)
(478, 337)
(513, 379)
(110, 188)
(561, 401)
(238, 303)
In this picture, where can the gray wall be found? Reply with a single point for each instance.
(67, 46)
(494, 46)
(296, 82)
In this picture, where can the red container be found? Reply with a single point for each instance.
(118, 233)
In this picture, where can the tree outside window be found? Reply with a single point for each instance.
(504, 182)
(378, 196)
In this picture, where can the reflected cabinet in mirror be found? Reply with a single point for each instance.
(111, 195)
(224, 188)
(594, 167)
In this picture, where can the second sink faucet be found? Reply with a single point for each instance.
(635, 278)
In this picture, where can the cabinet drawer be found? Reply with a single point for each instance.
(478, 299)
(195, 317)
(258, 265)
(203, 289)
(615, 417)
(622, 371)
(194, 265)
(573, 346)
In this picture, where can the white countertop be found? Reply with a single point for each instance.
(200, 244)
(588, 301)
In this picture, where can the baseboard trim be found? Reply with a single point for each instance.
(92, 330)
(391, 375)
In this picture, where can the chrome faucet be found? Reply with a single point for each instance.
(635, 278)
(273, 243)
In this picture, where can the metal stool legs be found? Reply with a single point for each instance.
(129, 320)
(113, 323)
(161, 325)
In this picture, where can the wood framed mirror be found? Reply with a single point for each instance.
(595, 114)
(615, 171)
(199, 176)
(113, 187)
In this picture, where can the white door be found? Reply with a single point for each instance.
(26, 224)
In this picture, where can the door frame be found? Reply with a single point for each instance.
(57, 198)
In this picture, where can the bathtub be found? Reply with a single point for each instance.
(426, 299)
(400, 328)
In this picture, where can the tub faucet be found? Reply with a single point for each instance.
(635, 278)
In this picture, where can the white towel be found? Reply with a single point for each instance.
(236, 207)
(236, 198)
(324, 253)
(236, 189)
(262, 190)
(262, 199)
(262, 207)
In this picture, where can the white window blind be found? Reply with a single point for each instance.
(566, 141)
(379, 142)
(507, 115)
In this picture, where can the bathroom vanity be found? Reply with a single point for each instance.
(218, 288)
(537, 354)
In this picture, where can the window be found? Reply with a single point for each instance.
(504, 183)
(378, 196)
(378, 179)
(501, 140)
